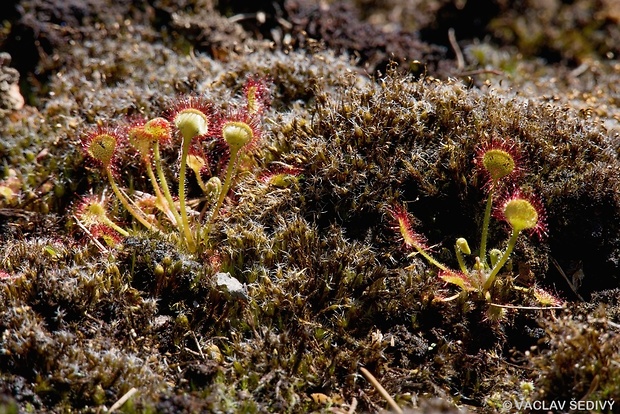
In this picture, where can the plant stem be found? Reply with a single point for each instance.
(160, 197)
(165, 188)
(502, 261)
(138, 215)
(430, 258)
(485, 227)
(189, 238)
(461, 260)
(232, 163)
(114, 226)
(201, 182)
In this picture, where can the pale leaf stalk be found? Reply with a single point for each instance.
(460, 259)
(230, 170)
(105, 220)
(430, 258)
(183, 206)
(201, 182)
(160, 197)
(502, 261)
(165, 188)
(485, 226)
(137, 215)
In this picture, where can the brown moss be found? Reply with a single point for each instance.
(579, 356)
(339, 27)
(329, 288)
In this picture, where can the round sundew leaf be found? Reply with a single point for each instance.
(192, 123)
(521, 214)
(101, 147)
(237, 134)
(498, 163)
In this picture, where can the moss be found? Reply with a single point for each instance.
(329, 288)
(58, 316)
(339, 27)
(578, 357)
(416, 140)
(558, 30)
(555, 30)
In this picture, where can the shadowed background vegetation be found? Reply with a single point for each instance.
(375, 106)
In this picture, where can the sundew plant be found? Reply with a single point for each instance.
(211, 143)
(499, 161)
